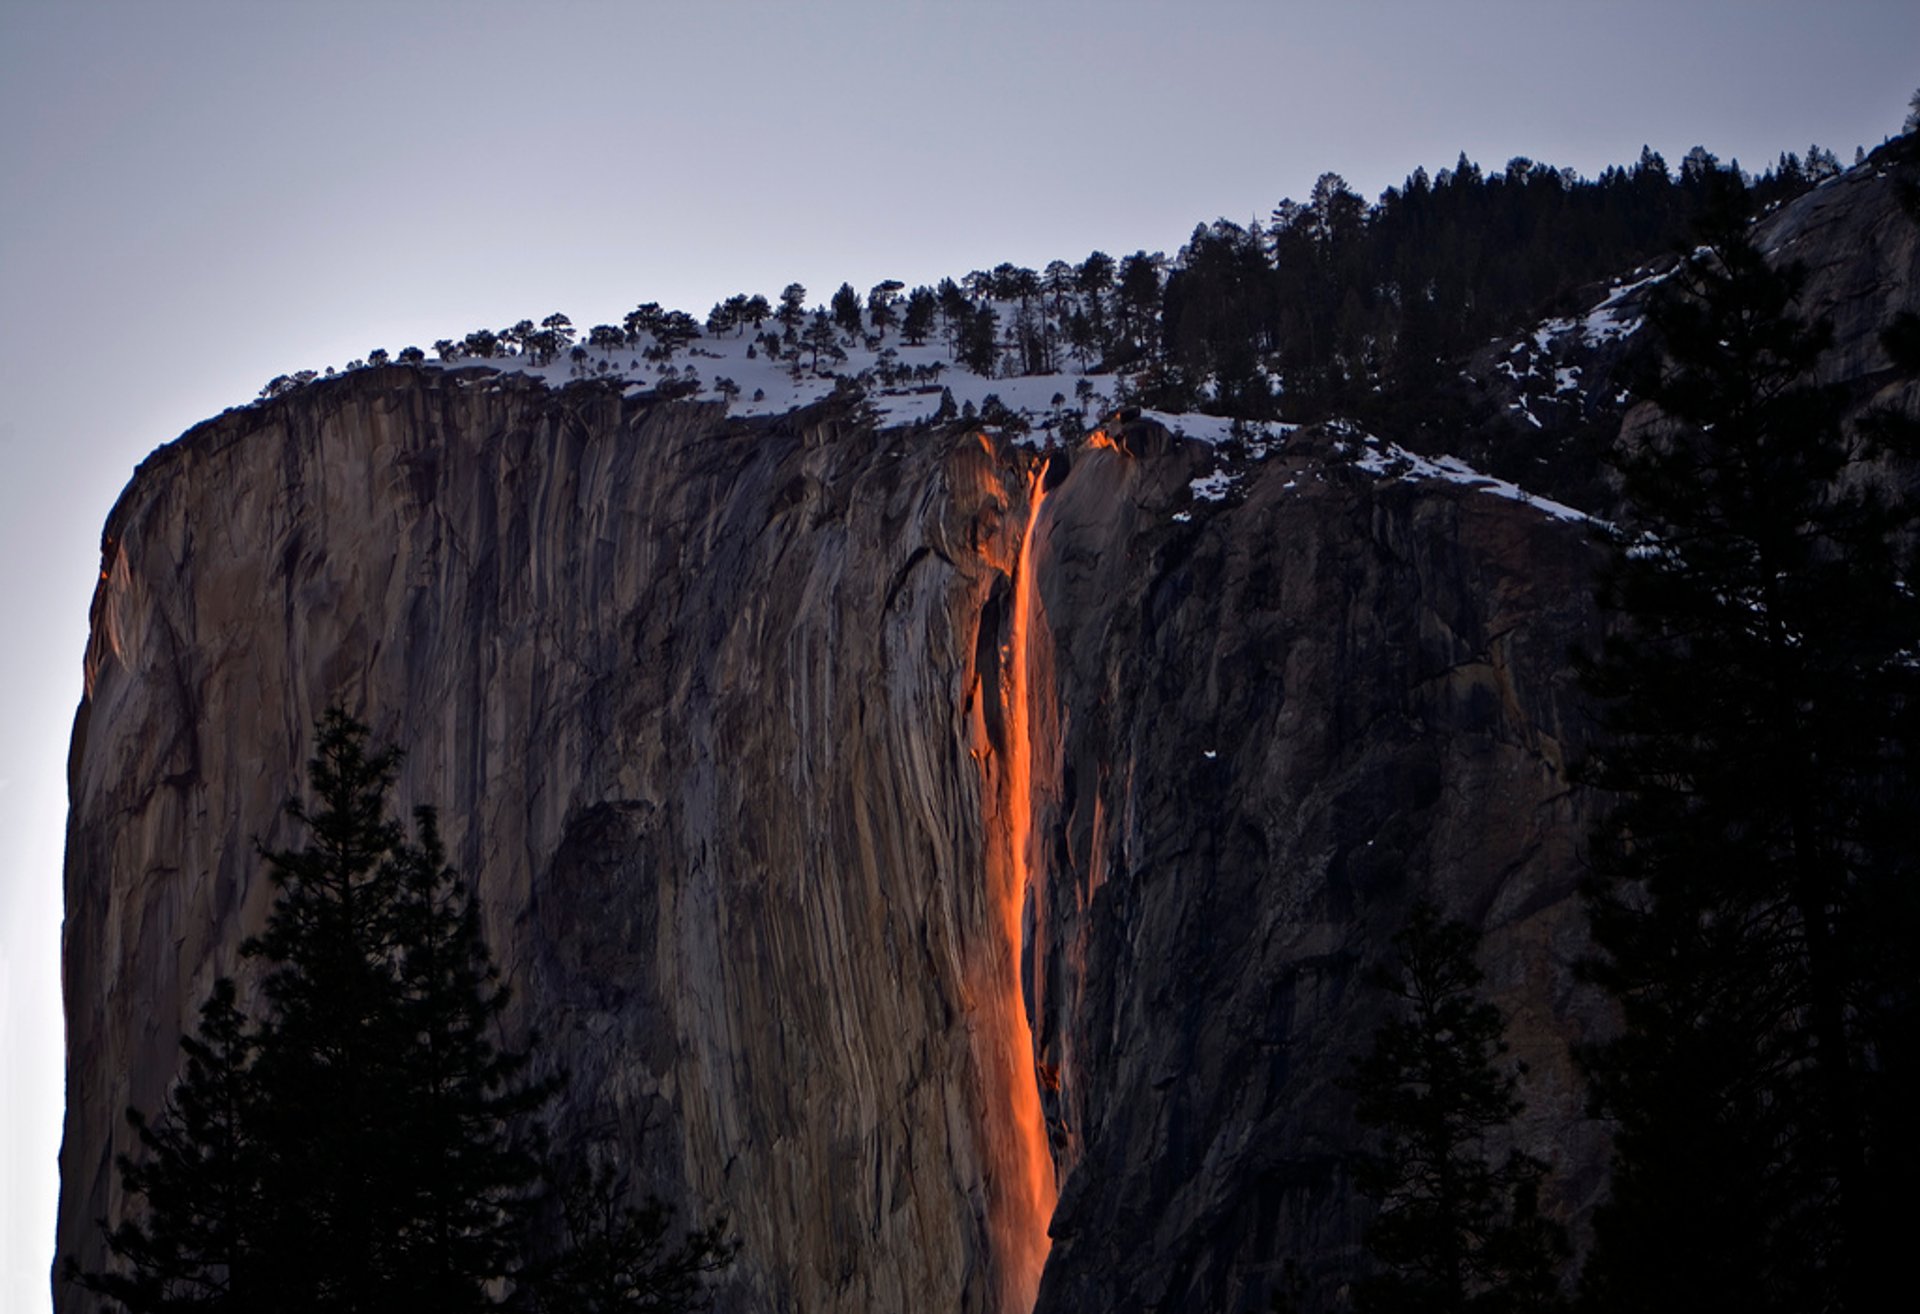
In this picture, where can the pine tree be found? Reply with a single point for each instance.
(1139, 299)
(1754, 895)
(674, 330)
(822, 340)
(883, 300)
(365, 1145)
(792, 310)
(642, 319)
(918, 323)
(470, 1167)
(846, 309)
(979, 348)
(199, 1249)
(1454, 1231)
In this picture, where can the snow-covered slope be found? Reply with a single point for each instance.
(755, 374)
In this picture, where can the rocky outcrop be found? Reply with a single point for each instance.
(722, 718)
(1858, 237)
(1545, 404)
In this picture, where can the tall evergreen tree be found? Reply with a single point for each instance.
(1754, 896)
(1455, 1231)
(364, 1147)
(883, 302)
(1138, 300)
(470, 1163)
(199, 1249)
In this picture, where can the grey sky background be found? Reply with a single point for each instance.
(195, 197)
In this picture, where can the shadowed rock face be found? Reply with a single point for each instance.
(1860, 246)
(716, 715)
(1279, 722)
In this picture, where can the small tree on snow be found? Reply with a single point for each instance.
(821, 340)
(918, 323)
(882, 301)
(792, 311)
(676, 329)
(846, 309)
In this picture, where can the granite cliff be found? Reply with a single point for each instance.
(725, 719)
(955, 860)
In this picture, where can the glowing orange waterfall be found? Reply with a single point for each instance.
(1040, 1186)
(1022, 1191)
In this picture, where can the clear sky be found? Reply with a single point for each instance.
(195, 197)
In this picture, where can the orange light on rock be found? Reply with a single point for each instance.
(1021, 1187)
(1040, 1191)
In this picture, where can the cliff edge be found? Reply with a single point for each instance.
(725, 722)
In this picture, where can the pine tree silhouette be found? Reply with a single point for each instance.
(1455, 1231)
(366, 1145)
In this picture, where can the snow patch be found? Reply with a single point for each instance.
(1526, 414)
(1214, 487)
(1214, 430)
(1392, 461)
(1606, 322)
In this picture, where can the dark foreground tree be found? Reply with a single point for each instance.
(197, 1248)
(1455, 1231)
(1755, 895)
(618, 1258)
(366, 1145)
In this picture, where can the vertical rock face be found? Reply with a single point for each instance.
(1858, 239)
(725, 721)
(1277, 723)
